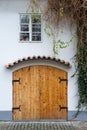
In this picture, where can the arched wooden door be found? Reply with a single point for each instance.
(39, 92)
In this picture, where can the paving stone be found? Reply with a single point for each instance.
(37, 126)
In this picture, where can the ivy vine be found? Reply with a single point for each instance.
(57, 43)
(82, 71)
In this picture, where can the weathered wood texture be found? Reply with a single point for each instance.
(40, 94)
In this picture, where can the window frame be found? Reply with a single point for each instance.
(30, 28)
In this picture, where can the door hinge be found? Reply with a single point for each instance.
(60, 107)
(16, 80)
(16, 108)
(62, 80)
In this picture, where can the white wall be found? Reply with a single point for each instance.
(11, 49)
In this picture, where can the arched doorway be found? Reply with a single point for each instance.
(39, 92)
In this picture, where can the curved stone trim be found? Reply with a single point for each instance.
(9, 65)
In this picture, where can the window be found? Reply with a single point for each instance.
(30, 27)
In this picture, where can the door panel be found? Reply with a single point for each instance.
(41, 93)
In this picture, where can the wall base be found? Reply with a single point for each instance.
(7, 115)
(82, 116)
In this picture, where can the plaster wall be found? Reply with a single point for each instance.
(11, 49)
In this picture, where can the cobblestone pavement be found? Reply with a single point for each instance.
(36, 126)
(80, 125)
(43, 126)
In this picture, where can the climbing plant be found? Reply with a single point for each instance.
(74, 11)
(51, 31)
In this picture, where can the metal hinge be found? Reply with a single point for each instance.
(16, 80)
(16, 108)
(62, 80)
(63, 107)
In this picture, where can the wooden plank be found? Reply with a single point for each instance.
(29, 91)
(16, 97)
(36, 93)
(43, 93)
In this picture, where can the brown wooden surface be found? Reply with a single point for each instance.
(39, 93)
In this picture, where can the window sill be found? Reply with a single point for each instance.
(30, 41)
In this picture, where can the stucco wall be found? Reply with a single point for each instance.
(11, 49)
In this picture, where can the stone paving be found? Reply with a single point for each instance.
(80, 125)
(36, 126)
(43, 125)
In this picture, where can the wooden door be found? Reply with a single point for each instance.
(39, 92)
